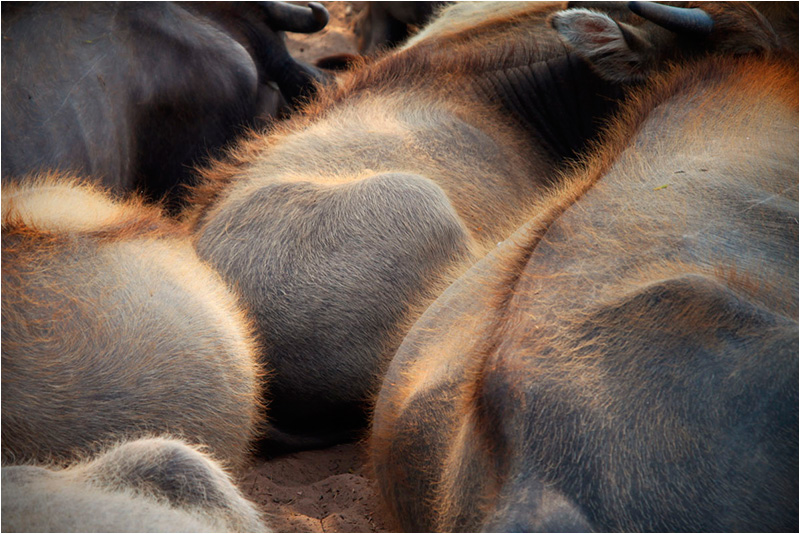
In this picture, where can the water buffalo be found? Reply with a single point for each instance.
(135, 94)
(112, 327)
(339, 227)
(627, 360)
(149, 485)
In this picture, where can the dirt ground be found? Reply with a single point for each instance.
(336, 38)
(325, 490)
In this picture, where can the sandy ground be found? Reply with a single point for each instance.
(336, 38)
(326, 490)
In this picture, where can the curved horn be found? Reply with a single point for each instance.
(675, 19)
(291, 18)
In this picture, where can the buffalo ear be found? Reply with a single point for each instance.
(617, 51)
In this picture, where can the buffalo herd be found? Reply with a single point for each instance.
(540, 257)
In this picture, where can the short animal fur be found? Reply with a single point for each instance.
(112, 327)
(627, 360)
(339, 227)
(148, 485)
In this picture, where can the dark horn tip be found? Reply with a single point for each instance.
(676, 19)
(320, 14)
